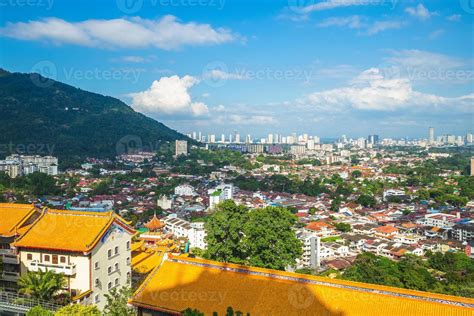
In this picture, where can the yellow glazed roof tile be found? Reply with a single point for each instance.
(181, 283)
(68, 230)
(12, 216)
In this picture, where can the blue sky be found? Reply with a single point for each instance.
(323, 67)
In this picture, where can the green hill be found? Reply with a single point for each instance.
(40, 115)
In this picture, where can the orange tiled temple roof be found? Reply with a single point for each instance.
(180, 283)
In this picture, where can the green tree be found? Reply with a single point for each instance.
(270, 241)
(41, 184)
(39, 311)
(78, 310)
(117, 300)
(225, 232)
(356, 174)
(343, 227)
(366, 200)
(192, 312)
(42, 285)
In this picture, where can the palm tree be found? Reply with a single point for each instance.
(42, 285)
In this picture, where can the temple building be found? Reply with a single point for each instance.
(15, 219)
(180, 283)
(91, 249)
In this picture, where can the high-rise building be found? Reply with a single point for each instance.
(431, 133)
(472, 167)
(222, 138)
(373, 139)
(248, 139)
(181, 148)
(270, 139)
(469, 138)
(237, 138)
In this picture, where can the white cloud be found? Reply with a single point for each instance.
(251, 120)
(454, 18)
(435, 34)
(380, 26)
(199, 108)
(352, 22)
(371, 90)
(169, 95)
(361, 23)
(165, 33)
(415, 58)
(420, 12)
(333, 4)
(217, 74)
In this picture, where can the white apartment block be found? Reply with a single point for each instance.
(194, 232)
(184, 190)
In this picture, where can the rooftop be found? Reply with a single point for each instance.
(69, 230)
(13, 217)
(180, 283)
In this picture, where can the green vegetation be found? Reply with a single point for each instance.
(42, 285)
(78, 310)
(71, 123)
(117, 300)
(39, 311)
(261, 237)
(38, 184)
(343, 227)
(366, 200)
(450, 273)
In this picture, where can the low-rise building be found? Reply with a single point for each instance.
(91, 249)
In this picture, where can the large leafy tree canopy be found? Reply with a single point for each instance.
(449, 273)
(260, 237)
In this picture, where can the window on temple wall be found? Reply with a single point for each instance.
(116, 267)
(29, 256)
(63, 259)
(116, 250)
(109, 253)
(128, 245)
(46, 258)
(109, 286)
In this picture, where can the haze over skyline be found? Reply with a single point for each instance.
(325, 68)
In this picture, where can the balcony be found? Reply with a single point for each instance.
(10, 276)
(9, 259)
(66, 269)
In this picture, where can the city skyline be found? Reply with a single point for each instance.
(350, 67)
